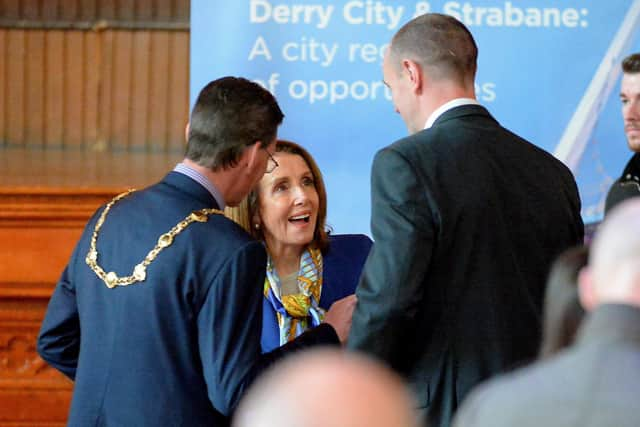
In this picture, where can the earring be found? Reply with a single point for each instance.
(256, 226)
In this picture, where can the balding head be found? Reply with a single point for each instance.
(431, 61)
(614, 261)
(327, 388)
(439, 43)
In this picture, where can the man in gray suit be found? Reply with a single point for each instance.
(466, 217)
(596, 382)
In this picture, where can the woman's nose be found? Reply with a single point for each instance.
(300, 196)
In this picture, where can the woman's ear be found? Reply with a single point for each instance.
(256, 222)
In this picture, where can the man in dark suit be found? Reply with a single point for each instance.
(157, 317)
(628, 184)
(596, 381)
(466, 218)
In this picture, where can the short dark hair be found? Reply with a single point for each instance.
(439, 42)
(230, 114)
(631, 64)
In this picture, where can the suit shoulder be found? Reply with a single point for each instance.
(406, 144)
(403, 149)
(349, 242)
(221, 238)
(541, 378)
(436, 140)
(229, 231)
(549, 159)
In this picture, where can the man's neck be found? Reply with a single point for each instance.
(439, 94)
(222, 180)
(458, 102)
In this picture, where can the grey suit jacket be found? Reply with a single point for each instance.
(596, 383)
(466, 218)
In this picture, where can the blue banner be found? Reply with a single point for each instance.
(547, 70)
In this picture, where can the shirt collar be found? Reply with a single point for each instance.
(448, 106)
(202, 180)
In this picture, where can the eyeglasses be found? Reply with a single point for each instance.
(271, 163)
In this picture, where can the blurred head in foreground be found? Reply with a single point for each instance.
(327, 388)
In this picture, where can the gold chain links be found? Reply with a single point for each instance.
(140, 271)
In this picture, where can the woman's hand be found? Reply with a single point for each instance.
(339, 316)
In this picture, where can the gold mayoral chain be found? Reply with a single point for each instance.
(140, 271)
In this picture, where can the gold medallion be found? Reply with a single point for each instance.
(139, 273)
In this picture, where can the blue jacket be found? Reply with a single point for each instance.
(179, 348)
(342, 264)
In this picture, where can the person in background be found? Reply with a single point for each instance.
(563, 312)
(595, 382)
(467, 218)
(307, 269)
(327, 388)
(628, 184)
(157, 315)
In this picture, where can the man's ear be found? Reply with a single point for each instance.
(186, 132)
(586, 291)
(414, 71)
(251, 155)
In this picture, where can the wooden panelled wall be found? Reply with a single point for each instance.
(90, 90)
(38, 229)
(94, 74)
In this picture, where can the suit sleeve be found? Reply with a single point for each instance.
(229, 329)
(391, 290)
(59, 338)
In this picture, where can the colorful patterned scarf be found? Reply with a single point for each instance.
(297, 312)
